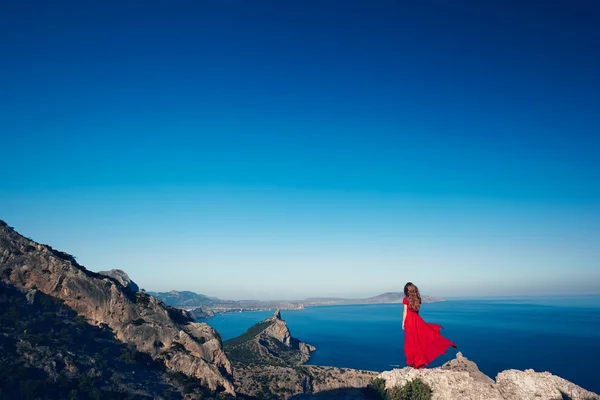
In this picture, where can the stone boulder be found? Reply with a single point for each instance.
(121, 277)
(531, 385)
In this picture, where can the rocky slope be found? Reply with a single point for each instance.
(121, 277)
(268, 342)
(165, 333)
(47, 351)
(460, 379)
(184, 299)
(201, 312)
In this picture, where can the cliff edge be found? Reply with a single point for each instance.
(460, 379)
(165, 333)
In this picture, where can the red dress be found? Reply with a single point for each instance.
(422, 341)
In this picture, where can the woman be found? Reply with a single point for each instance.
(422, 341)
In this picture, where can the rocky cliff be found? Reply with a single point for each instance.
(460, 379)
(121, 277)
(268, 342)
(47, 351)
(201, 312)
(165, 333)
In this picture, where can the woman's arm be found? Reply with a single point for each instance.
(404, 316)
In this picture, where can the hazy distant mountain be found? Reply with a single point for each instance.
(192, 301)
(184, 299)
(203, 305)
(384, 298)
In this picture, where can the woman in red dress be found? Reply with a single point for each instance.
(422, 341)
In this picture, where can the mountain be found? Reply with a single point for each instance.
(268, 342)
(121, 277)
(184, 299)
(191, 301)
(384, 298)
(201, 312)
(168, 335)
(267, 364)
(47, 351)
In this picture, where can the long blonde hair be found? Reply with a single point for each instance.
(411, 291)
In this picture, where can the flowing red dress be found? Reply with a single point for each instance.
(422, 341)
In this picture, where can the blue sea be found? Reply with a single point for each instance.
(556, 334)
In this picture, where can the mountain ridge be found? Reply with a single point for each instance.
(165, 333)
(47, 351)
(268, 342)
(189, 300)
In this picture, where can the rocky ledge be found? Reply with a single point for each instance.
(460, 379)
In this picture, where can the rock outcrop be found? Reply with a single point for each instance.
(165, 333)
(201, 312)
(460, 379)
(531, 385)
(269, 342)
(47, 351)
(121, 277)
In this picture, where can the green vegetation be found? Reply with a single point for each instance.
(416, 389)
(250, 334)
(265, 351)
(245, 354)
(376, 390)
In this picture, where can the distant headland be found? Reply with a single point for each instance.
(202, 306)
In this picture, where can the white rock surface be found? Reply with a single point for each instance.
(528, 384)
(460, 379)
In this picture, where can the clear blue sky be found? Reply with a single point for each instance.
(269, 149)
